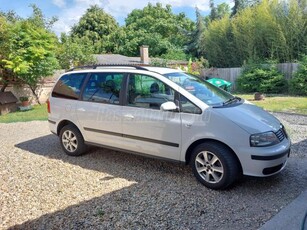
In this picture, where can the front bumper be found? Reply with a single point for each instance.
(266, 161)
(273, 157)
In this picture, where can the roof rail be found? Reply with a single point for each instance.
(101, 65)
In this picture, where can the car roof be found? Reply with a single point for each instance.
(162, 70)
(96, 68)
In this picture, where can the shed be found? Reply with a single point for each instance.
(7, 102)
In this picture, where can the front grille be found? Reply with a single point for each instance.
(284, 130)
(281, 134)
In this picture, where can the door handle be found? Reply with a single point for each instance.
(129, 116)
(188, 125)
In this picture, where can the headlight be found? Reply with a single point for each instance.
(263, 139)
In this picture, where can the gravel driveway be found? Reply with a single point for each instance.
(42, 188)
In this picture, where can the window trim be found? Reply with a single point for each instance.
(180, 105)
(87, 78)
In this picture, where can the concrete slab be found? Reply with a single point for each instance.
(290, 217)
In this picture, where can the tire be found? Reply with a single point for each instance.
(214, 165)
(72, 141)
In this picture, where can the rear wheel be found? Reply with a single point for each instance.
(214, 165)
(72, 141)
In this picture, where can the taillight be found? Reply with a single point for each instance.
(48, 106)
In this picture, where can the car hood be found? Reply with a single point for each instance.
(250, 118)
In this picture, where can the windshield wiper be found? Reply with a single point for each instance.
(231, 100)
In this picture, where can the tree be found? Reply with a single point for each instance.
(10, 16)
(258, 34)
(222, 10)
(219, 44)
(117, 40)
(4, 51)
(213, 11)
(238, 5)
(26, 48)
(270, 30)
(31, 53)
(292, 20)
(74, 51)
(196, 44)
(243, 4)
(97, 26)
(174, 53)
(6, 21)
(38, 19)
(157, 27)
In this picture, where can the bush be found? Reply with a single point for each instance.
(174, 54)
(261, 78)
(298, 83)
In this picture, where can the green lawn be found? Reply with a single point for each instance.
(280, 103)
(38, 112)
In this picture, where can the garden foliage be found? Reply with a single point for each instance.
(261, 78)
(298, 83)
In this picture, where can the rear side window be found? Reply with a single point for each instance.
(69, 86)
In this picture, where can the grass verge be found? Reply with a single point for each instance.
(38, 112)
(280, 103)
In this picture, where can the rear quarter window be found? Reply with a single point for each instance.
(69, 86)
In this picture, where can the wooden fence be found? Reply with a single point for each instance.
(287, 69)
(231, 74)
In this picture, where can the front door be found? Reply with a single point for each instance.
(147, 129)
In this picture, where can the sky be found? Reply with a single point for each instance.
(69, 12)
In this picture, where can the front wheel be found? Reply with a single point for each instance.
(72, 141)
(214, 165)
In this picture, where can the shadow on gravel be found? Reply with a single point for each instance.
(166, 194)
(109, 161)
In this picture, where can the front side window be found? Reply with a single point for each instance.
(147, 92)
(69, 86)
(103, 87)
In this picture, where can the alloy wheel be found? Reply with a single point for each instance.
(209, 167)
(69, 141)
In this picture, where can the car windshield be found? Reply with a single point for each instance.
(203, 90)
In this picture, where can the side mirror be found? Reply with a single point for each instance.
(168, 106)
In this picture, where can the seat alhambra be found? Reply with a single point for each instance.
(167, 113)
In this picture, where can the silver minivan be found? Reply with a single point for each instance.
(167, 113)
